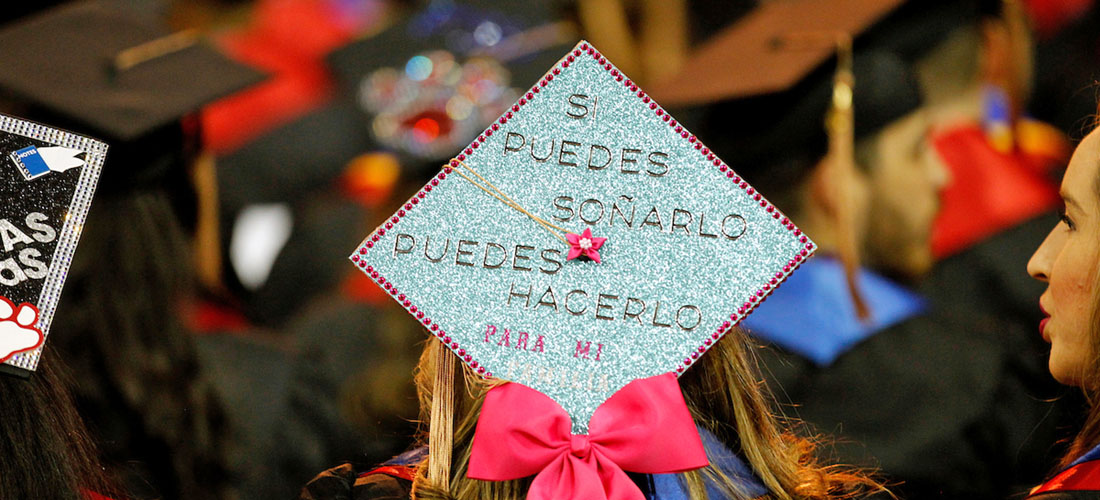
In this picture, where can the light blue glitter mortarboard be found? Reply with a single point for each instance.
(691, 248)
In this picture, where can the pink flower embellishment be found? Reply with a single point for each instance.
(584, 244)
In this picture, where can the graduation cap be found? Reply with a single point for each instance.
(47, 177)
(588, 247)
(774, 107)
(769, 50)
(96, 68)
(432, 82)
(519, 33)
(765, 85)
(914, 28)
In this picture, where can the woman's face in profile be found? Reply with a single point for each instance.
(1067, 262)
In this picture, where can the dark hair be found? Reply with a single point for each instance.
(139, 383)
(46, 451)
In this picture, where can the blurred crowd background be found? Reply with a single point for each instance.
(222, 346)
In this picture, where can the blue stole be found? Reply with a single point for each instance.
(409, 458)
(670, 487)
(812, 313)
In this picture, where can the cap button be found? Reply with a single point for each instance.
(579, 446)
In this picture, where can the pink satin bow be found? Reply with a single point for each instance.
(645, 427)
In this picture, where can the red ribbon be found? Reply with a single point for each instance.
(645, 427)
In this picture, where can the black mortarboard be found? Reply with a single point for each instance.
(765, 86)
(518, 39)
(773, 139)
(107, 71)
(916, 27)
(114, 75)
(454, 26)
(301, 157)
(770, 89)
(769, 50)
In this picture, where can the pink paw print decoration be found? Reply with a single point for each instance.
(18, 332)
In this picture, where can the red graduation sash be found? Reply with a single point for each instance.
(1081, 477)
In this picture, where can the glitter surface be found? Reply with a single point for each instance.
(61, 201)
(691, 249)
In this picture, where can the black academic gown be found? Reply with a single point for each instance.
(919, 400)
(334, 386)
(933, 400)
(989, 281)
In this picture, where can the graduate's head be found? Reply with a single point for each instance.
(566, 400)
(1068, 261)
(778, 140)
(902, 177)
(111, 73)
(46, 188)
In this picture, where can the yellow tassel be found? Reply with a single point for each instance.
(841, 130)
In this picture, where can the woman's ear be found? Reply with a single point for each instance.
(828, 186)
(822, 212)
(836, 201)
(819, 209)
(1006, 60)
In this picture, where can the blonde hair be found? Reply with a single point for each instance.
(725, 395)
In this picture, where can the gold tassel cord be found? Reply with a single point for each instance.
(840, 127)
(840, 169)
(495, 192)
(154, 49)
